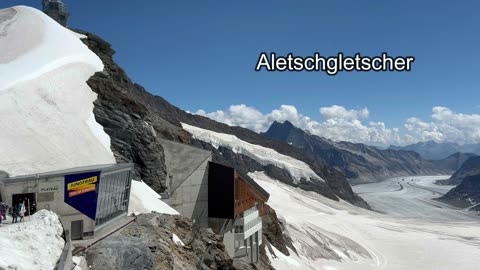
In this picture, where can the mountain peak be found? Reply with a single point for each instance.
(285, 123)
(288, 123)
(280, 131)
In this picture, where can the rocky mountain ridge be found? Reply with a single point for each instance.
(432, 150)
(359, 162)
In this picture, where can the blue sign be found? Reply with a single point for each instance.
(81, 192)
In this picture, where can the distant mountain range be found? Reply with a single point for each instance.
(360, 162)
(435, 151)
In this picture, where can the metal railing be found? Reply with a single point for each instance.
(65, 262)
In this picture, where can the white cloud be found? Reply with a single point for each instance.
(341, 124)
(339, 112)
(446, 125)
(239, 115)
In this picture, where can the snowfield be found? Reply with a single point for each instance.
(36, 243)
(297, 169)
(336, 235)
(143, 199)
(46, 107)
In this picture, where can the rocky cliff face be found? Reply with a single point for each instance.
(467, 191)
(470, 167)
(125, 111)
(359, 162)
(466, 194)
(275, 232)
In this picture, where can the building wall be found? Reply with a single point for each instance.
(49, 191)
(187, 180)
(49, 195)
(247, 236)
(229, 242)
(191, 198)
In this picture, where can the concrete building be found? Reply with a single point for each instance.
(86, 199)
(187, 180)
(215, 196)
(57, 10)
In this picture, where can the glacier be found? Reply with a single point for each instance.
(297, 169)
(46, 107)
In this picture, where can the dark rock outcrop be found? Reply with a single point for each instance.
(202, 248)
(275, 232)
(467, 193)
(120, 252)
(359, 162)
(125, 111)
(469, 168)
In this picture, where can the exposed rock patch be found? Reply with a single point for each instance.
(120, 252)
(275, 231)
(149, 243)
(125, 111)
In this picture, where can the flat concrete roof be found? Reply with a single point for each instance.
(103, 168)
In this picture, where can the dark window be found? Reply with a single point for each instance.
(221, 191)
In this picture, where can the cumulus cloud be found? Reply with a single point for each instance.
(341, 124)
(339, 112)
(238, 115)
(446, 125)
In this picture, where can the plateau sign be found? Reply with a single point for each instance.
(81, 192)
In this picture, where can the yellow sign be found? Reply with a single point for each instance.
(82, 184)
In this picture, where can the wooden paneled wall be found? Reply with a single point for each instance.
(246, 196)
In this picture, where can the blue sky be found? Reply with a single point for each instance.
(202, 54)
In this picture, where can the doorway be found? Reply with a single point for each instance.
(28, 199)
(76, 228)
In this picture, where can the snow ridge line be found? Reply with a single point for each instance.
(297, 169)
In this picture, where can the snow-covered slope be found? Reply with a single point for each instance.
(46, 107)
(336, 235)
(36, 243)
(297, 169)
(143, 199)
